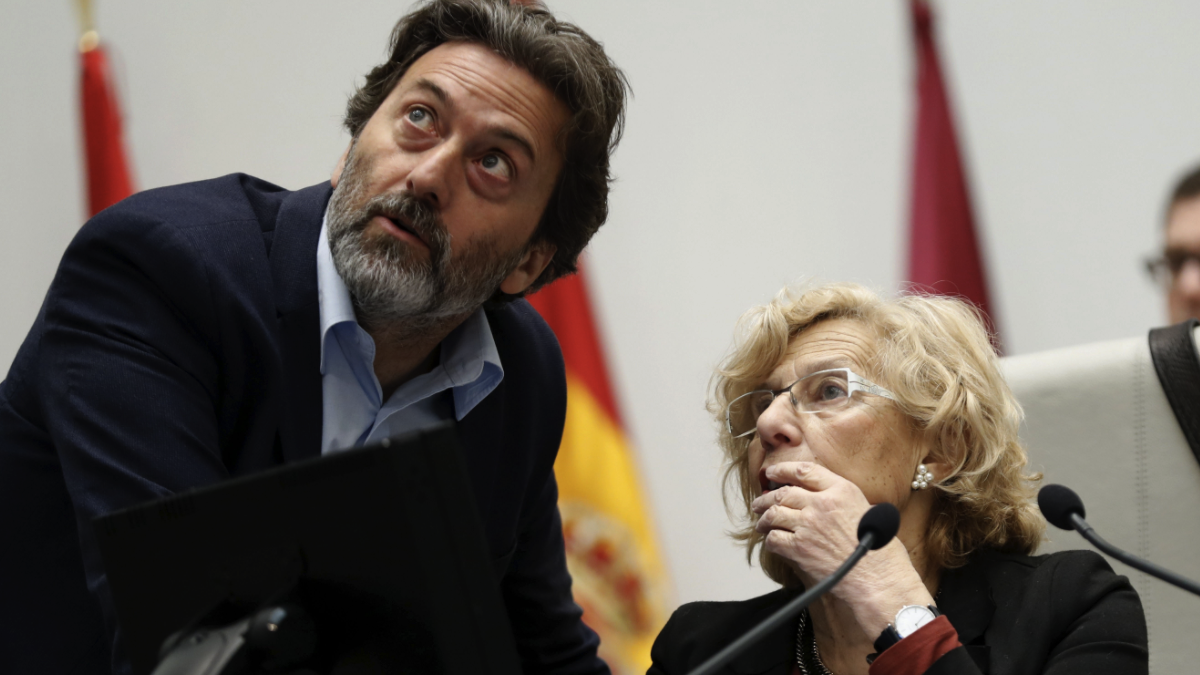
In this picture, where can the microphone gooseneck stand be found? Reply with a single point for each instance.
(875, 530)
(1064, 510)
(1086, 531)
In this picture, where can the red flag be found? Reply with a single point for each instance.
(612, 550)
(108, 179)
(944, 255)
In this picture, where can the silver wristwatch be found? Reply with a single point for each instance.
(908, 620)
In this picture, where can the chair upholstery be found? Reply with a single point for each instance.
(1096, 420)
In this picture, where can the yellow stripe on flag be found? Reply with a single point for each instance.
(611, 549)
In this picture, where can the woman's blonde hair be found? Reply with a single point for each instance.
(936, 356)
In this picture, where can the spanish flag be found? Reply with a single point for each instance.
(612, 553)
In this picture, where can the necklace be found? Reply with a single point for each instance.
(808, 657)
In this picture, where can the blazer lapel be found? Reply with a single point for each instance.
(294, 274)
(479, 433)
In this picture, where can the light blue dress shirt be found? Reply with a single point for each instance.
(355, 413)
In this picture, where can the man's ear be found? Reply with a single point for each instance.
(529, 269)
(341, 165)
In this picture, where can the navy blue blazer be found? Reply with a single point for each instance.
(179, 346)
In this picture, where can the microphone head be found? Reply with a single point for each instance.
(1057, 503)
(882, 520)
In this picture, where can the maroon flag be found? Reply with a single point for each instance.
(108, 180)
(944, 255)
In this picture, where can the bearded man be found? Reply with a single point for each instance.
(205, 331)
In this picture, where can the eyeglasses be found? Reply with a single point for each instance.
(821, 392)
(1166, 267)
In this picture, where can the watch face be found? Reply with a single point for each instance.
(912, 617)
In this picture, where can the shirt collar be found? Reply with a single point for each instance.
(472, 362)
(333, 297)
(468, 356)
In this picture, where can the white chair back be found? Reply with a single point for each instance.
(1097, 421)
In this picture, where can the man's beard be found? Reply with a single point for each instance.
(392, 287)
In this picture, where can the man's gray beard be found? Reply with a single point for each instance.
(393, 289)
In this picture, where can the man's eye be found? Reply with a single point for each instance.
(420, 117)
(497, 165)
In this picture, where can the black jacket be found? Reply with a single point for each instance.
(1064, 613)
(178, 346)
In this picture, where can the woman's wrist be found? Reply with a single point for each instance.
(876, 614)
(877, 593)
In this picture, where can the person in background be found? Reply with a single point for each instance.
(1178, 268)
(200, 332)
(834, 399)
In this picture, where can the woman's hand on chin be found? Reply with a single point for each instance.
(812, 520)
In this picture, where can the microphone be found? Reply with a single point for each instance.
(1064, 510)
(877, 527)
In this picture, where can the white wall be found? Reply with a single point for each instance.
(768, 141)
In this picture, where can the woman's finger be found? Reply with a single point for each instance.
(788, 495)
(808, 475)
(781, 518)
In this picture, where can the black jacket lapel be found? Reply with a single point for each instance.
(294, 273)
(480, 432)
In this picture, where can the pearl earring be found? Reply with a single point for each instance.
(923, 478)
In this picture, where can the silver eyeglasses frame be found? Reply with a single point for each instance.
(854, 383)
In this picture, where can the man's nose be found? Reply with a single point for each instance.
(778, 425)
(434, 174)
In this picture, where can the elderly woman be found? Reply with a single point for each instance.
(835, 399)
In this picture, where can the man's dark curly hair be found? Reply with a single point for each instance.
(1188, 187)
(560, 56)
